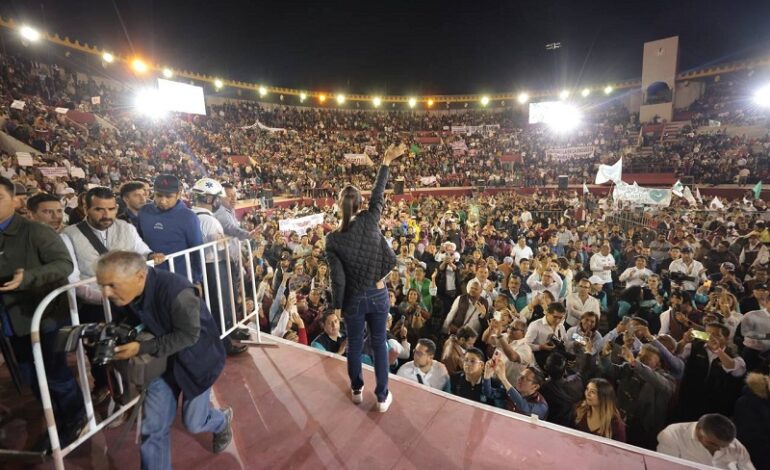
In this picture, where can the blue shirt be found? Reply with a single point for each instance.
(170, 231)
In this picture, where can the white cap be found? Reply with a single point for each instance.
(595, 280)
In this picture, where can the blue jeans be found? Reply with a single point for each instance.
(368, 308)
(160, 405)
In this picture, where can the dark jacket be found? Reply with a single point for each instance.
(752, 420)
(360, 257)
(184, 332)
(41, 253)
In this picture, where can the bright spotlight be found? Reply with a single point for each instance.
(522, 98)
(412, 102)
(167, 73)
(377, 101)
(302, 97)
(340, 99)
(107, 57)
(484, 100)
(150, 102)
(585, 92)
(29, 33)
(138, 65)
(607, 90)
(262, 91)
(564, 95)
(430, 103)
(762, 96)
(321, 98)
(218, 84)
(563, 118)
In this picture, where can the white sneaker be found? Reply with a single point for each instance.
(383, 406)
(357, 396)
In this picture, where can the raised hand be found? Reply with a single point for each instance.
(393, 152)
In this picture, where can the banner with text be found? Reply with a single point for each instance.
(482, 129)
(301, 224)
(561, 154)
(54, 171)
(359, 159)
(637, 194)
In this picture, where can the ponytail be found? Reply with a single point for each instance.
(349, 201)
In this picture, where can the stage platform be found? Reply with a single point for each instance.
(292, 410)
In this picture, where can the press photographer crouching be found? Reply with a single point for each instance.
(185, 333)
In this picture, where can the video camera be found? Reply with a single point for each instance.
(104, 337)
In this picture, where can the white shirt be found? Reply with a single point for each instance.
(537, 286)
(634, 276)
(522, 348)
(738, 370)
(538, 332)
(694, 269)
(212, 230)
(601, 266)
(520, 253)
(470, 316)
(576, 308)
(680, 440)
(755, 325)
(436, 377)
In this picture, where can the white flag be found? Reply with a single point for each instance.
(716, 203)
(678, 188)
(698, 196)
(689, 197)
(610, 172)
(585, 189)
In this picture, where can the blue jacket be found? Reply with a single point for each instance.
(193, 369)
(170, 231)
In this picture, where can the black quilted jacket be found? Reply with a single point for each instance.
(361, 256)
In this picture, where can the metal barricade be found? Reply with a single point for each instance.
(200, 254)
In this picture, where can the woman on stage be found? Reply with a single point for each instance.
(360, 258)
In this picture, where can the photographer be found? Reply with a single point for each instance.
(680, 317)
(580, 335)
(547, 334)
(185, 333)
(686, 272)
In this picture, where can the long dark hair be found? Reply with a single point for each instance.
(349, 201)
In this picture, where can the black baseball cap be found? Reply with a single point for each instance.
(167, 184)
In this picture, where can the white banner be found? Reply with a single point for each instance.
(54, 171)
(459, 146)
(569, 153)
(370, 150)
(300, 225)
(24, 159)
(96, 100)
(61, 110)
(76, 172)
(428, 180)
(359, 159)
(637, 194)
(18, 104)
(484, 128)
(610, 173)
(259, 125)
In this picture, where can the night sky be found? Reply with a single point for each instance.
(409, 46)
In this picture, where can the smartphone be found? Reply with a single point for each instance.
(701, 335)
(707, 283)
(497, 315)
(578, 338)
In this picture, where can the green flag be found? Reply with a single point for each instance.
(415, 149)
(757, 190)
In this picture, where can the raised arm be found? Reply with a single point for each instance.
(377, 200)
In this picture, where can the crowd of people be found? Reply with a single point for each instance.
(654, 333)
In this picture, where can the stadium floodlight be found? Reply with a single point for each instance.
(340, 99)
(412, 102)
(430, 103)
(262, 91)
(377, 101)
(150, 102)
(585, 92)
(563, 95)
(607, 90)
(484, 100)
(29, 33)
(564, 118)
(762, 96)
(139, 65)
(321, 98)
(218, 84)
(107, 57)
(302, 97)
(168, 73)
(523, 98)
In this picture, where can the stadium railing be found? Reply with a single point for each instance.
(223, 281)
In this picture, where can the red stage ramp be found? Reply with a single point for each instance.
(292, 410)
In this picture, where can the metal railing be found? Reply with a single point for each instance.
(210, 249)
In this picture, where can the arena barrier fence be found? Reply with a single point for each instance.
(232, 283)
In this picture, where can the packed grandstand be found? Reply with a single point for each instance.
(661, 310)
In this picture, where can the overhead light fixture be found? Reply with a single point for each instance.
(762, 96)
(564, 95)
(430, 103)
(522, 98)
(138, 65)
(412, 102)
(150, 103)
(563, 118)
(484, 100)
(167, 73)
(107, 57)
(262, 91)
(218, 83)
(302, 97)
(321, 98)
(607, 90)
(585, 92)
(29, 33)
(340, 99)
(377, 101)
